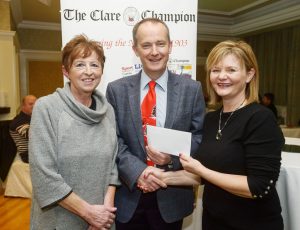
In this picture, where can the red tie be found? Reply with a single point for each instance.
(148, 109)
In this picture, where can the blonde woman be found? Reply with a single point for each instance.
(240, 153)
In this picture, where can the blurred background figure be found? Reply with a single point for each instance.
(268, 101)
(19, 127)
(18, 182)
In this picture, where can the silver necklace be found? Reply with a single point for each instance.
(219, 132)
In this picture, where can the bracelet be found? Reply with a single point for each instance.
(170, 164)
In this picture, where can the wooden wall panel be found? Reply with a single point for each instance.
(44, 77)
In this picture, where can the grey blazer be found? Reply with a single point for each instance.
(185, 112)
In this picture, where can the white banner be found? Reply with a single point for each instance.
(111, 22)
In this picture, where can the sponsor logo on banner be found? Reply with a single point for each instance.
(130, 70)
(181, 67)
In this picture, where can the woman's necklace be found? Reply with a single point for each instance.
(219, 132)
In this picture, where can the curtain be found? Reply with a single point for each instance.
(278, 56)
(293, 93)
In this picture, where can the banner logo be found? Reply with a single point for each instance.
(131, 16)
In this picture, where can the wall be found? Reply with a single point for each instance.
(9, 78)
(9, 65)
(203, 49)
(31, 39)
(5, 22)
(44, 77)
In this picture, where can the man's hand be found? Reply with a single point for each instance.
(157, 157)
(156, 172)
(148, 182)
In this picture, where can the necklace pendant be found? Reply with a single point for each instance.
(219, 135)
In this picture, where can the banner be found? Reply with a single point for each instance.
(111, 23)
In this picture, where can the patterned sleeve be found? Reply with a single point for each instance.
(23, 130)
(263, 145)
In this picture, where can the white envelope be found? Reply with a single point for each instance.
(169, 140)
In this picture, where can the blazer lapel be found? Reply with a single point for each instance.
(134, 102)
(172, 100)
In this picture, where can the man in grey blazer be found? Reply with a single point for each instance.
(179, 105)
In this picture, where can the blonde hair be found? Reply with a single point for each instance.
(242, 51)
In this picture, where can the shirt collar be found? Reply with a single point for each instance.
(162, 81)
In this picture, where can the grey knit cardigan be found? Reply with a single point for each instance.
(71, 148)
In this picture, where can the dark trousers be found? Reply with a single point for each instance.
(147, 217)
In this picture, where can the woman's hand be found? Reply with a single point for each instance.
(149, 180)
(156, 172)
(190, 164)
(100, 216)
(94, 228)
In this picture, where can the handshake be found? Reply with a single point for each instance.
(151, 180)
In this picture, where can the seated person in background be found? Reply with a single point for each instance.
(19, 127)
(268, 101)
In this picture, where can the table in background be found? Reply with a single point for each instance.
(292, 144)
(288, 187)
(291, 131)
